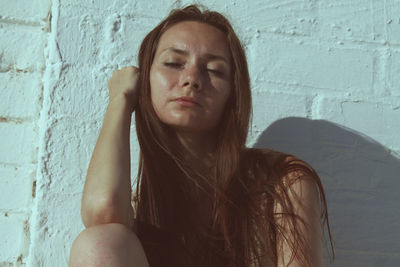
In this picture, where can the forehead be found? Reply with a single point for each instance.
(195, 37)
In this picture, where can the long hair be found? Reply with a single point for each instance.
(242, 230)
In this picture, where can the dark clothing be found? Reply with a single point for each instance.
(161, 248)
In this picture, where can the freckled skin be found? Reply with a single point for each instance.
(183, 66)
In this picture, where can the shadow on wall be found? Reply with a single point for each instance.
(361, 179)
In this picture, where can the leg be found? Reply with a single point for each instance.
(107, 245)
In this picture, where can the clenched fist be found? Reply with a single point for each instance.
(124, 82)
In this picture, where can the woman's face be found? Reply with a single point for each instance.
(190, 76)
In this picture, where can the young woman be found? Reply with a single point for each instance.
(203, 198)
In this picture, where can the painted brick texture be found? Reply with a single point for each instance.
(24, 29)
(326, 87)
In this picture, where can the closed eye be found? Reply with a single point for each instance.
(180, 65)
(172, 65)
(216, 72)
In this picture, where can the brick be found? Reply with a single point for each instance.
(21, 49)
(100, 39)
(19, 94)
(160, 9)
(120, 48)
(351, 20)
(98, 5)
(375, 120)
(26, 10)
(19, 143)
(81, 44)
(82, 93)
(12, 264)
(394, 74)
(393, 21)
(14, 231)
(67, 156)
(381, 72)
(269, 107)
(313, 66)
(16, 184)
(295, 18)
(146, 8)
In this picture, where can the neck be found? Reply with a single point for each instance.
(200, 150)
(200, 154)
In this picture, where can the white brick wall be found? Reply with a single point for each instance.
(23, 36)
(333, 64)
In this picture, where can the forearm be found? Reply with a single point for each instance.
(107, 192)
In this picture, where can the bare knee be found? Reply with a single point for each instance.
(107, 245)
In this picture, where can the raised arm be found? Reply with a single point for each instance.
(107, 191)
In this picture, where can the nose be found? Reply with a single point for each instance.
(191, 78)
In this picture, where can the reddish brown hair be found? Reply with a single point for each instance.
(245, 182)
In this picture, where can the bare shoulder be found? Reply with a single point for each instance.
(296, 177)
(283, 162)
(300, 239)
(303, 188)
(296, 207)
(299, 173)
(301, 185)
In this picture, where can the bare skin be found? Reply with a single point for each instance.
(111, 244)
(106, 209)
(106, 201)
(197, 66)
(191, 60)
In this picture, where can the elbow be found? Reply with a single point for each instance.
(104, 211)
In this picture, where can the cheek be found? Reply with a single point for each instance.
(221, 95)
(162, 80)
(161, 84)
(217, 102)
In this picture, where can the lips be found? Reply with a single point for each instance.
(186, 100)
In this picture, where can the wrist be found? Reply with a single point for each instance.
(122, 101)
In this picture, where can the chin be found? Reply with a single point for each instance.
(188, 124)
(189, 128)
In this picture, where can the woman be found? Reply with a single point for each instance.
(203, 198)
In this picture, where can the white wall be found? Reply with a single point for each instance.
(24, 30)
(326, 87)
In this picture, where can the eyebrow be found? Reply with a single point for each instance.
(185, 53)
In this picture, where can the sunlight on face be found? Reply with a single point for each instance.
(190, 77)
